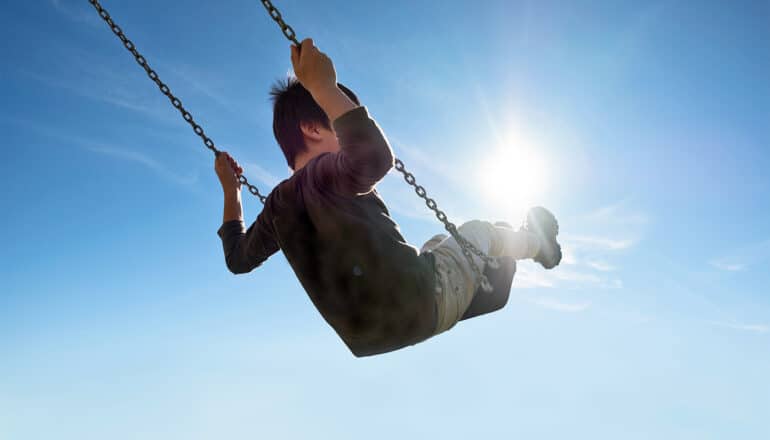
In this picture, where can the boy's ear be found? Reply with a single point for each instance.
(311, 130)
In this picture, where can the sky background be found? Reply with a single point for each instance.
(645, 126)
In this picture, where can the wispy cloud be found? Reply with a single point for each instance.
(754, 328)
(117, 94)
(597, 242)
(85, 74)
(142, 159)
(261, 175)
(552, 304)
(108, 150)
(403, 202)
(588, 258)
(729, 266)
(619, 213)
(530, 275)
(76, 11)
(573, 276)
(601, 266)
(743, 258)
(414, 157)
(526, 278)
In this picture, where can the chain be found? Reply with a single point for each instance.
(176, 102)
(467, 247)
(288, 32)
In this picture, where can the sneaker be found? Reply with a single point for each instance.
(542, 223)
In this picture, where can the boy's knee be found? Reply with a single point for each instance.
(477, 227)
(476, 224)
(484, 234)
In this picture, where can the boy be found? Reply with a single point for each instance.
(376, 291)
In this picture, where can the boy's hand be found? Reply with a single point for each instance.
(228, 171)
(313, 68)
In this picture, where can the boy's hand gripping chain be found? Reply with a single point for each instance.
(468, 248)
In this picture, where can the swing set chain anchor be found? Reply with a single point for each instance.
(166, 90)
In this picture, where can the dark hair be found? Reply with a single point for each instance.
(293, 104)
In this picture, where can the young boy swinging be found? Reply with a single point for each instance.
(377, 292)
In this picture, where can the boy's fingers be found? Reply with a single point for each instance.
(294, 54)
(307, 45)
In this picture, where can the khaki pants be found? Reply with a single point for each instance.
(455, 280)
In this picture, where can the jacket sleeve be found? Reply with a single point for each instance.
(365, 156)
(246, 249)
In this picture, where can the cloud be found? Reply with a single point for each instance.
(601, 266)
(130, 89)
(529, 276)
(587, 260)
(754, 328)
(596, 242)
(142, 159)
(261, 175)
(116, 94)
(729, 266)
(568, 256)
(552, 304)
(426, 162)
(112, 151)
(618, 212)
(743, 258)
(572, 276)
(401, 199)
(76, 13)
(528, 279)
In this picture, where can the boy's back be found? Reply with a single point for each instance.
(373, 288)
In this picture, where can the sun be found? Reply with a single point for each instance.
(513, 178)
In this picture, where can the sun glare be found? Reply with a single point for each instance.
(513, 179)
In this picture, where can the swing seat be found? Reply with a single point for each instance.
(501, 280)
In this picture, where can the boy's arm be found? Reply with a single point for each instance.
(244, 249)
(365, 155)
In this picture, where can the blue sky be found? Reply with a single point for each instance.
(644, 126)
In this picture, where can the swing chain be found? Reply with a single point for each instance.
(176, 102)
(467, 247)
(288, 32)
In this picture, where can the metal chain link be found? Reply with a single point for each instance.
(467, 247)
(176, 102)
(288, 32)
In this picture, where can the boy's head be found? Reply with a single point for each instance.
(299, 123)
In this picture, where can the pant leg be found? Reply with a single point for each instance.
(456, 280)
(433, 243)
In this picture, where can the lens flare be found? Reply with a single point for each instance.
(513, 179)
